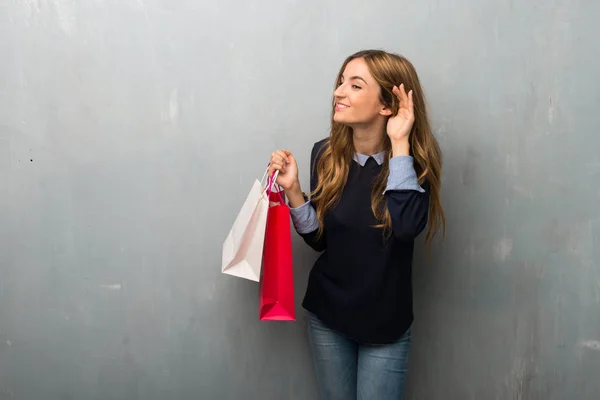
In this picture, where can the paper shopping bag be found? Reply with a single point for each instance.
(243, 247)
(277, 284)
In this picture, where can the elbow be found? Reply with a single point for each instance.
(318, 248)
(408, 232)
(406, 236)
(409, 212)
(314, 241)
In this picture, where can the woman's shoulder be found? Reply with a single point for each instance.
(315, 154)
(319, 146)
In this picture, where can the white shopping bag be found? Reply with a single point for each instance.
(243, 247)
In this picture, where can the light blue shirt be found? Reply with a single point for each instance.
(402, 177)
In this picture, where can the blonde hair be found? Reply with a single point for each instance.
(388, 70)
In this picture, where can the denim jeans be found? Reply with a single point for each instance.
(347, 370)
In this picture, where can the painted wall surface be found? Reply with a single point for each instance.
(131, 131)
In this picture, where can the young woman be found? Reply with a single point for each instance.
(375, 183)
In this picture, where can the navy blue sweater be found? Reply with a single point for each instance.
(361, 284)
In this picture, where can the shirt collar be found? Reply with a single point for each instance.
(361, 159)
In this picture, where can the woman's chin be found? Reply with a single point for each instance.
(340, 119)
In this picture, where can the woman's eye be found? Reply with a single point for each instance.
(356, 87)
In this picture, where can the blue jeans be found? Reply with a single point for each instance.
(347, 370)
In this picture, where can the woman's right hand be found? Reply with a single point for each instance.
(284, 162)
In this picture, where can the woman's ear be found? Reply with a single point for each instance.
(385, 111)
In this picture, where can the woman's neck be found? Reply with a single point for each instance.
(368, 140)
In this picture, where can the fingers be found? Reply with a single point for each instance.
(400, 92)
(396, 91)
(284, 154)
(274, 166)
(279, 160)
(406, 100)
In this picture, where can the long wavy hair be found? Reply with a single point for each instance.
(337, 154)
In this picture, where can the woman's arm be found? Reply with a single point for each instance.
(407, 201)
(303, 212)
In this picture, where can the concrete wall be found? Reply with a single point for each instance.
(130, 132)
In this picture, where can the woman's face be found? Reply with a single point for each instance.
(358, 96)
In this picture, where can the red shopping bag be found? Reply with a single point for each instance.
(277, 284)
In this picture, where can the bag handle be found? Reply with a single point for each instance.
(265, 174)
(271, 183)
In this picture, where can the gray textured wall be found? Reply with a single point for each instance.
(130, 132)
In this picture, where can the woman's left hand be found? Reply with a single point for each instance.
(400, 125)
